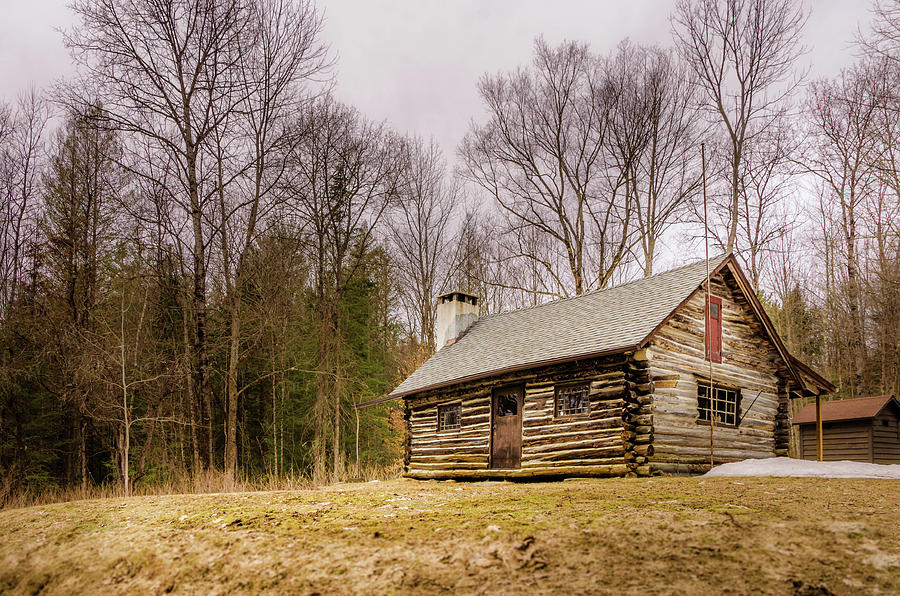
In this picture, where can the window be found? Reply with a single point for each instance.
(725, 406)
(572, 400)
(449, 417)
(507, 404)
(714, 329)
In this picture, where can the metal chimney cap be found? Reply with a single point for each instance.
(459, 297)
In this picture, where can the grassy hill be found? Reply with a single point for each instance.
(660, 535)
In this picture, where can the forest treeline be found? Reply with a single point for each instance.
(208, 260)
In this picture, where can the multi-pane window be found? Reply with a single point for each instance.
(449, 417)
(572, 400)
(725, 404)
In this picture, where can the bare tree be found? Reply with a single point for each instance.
(883, 41)
(344, 177)
(166, 71)
(540, 157)
(118, 356)
(767, 179)
(420, 231)
(883, 288)
(743, 55)
(82, 193)
(843, 115)
(279, 56)
(22, 142)
(663, 169)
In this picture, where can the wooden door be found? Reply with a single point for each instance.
(506, 427)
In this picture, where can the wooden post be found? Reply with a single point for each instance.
(818, 428)
(707, 342)
(357, 441)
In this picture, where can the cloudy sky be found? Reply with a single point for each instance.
(416, 63)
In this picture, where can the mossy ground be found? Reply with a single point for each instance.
(633, 536)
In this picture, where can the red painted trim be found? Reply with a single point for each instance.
(713, 332)
(668, 318)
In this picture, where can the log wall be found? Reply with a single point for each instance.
(750, 362)
(592, 444)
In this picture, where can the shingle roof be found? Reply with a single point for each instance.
(844, 409)
(603, 321)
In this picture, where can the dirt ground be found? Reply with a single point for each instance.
(586, 536)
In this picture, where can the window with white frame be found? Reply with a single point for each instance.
(449, 417)
(573, 399)
(724, 405)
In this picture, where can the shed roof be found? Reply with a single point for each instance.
(845, 409)
(601, 322)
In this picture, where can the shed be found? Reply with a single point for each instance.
(863, 429)
(644, 377)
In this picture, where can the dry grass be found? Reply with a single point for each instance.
(631, 536)
(203, 483)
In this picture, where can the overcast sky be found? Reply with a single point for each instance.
(416, 63)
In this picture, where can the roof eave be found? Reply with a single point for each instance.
(823, 383)
(517, 368)
(730, 262)
(850, 419)
(643, 343)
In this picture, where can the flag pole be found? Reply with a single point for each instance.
(706, 326)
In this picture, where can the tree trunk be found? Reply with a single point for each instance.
(201, 354)
(735, 202)
(189, 395)
(650, 244)
(232, 405)
(82, 453)
(857, 345)
(320, 409)
(126, 415)
(338, 388)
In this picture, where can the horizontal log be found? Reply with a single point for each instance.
(681, 468)
(565, 449)
(448, 465)
(455, 458)
(592, 456)
(658, 376)
(463, 435)
(596, 416)
(463, 431)
(451, 450)
(690, 427)
(596, 461)
(587, 470)
(671, 452)
(661, 438)
(537, 443)
(638, 419)
(647, 450)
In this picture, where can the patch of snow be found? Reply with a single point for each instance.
(801, 468)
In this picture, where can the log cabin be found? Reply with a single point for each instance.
(862, 429)
(625, 381)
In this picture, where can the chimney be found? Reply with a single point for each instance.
(455, 312)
